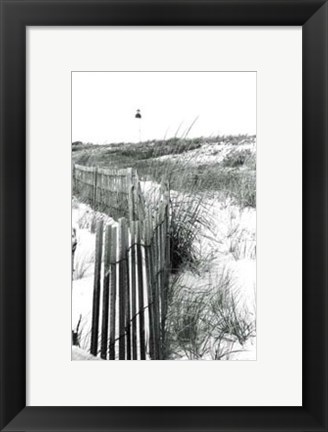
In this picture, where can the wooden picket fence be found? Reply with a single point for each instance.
(115, 192)
(131, 279)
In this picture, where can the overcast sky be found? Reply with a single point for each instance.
(104, 105)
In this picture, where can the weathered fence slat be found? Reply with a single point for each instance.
(122, 288)
(113, 278)
(96, 289)
(159, 233)
(140, 292)
(127, 293)
(147, 235)
(133, 291)
(95, 188)
(164, 273)
(105, 299)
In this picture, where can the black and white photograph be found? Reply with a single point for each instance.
(163, 215)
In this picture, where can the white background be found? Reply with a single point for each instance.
(275, 378)
(171, 104)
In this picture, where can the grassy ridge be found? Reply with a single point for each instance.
(127, 154)
(234, 176)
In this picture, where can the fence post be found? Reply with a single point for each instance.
(100, 190)
(133, 291)
(105, 299)
(147, 236)
(165, 267)
(160, 269)
(139, 198)
(112, 316)
(131, 203)
(154, 288)
(95, 188)
(166, 260)
(127, 293)
(140, 292)
(96, 290)
(122, 287)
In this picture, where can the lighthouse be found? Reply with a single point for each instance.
(138, 118)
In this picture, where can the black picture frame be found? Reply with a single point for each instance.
(16, 15)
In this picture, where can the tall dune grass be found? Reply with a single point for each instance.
(206, 324)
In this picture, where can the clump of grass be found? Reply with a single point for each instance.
(238, 139)
(239, 185)
(206, 324)
(76, 334)
(245, 192)
(188, 218)
(250, 162)
(184, 324)
(241, 247)
(84, 332)
(229, 320)
(237, 158)
(241, 241)
(188, 212)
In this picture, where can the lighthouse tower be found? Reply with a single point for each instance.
(138, 119)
